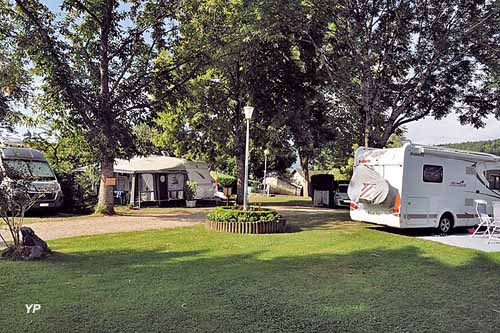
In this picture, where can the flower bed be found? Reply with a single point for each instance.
(253, 221)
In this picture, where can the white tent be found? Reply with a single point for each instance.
(162, 178)
(150, 164)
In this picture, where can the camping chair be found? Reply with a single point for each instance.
(484, 218)
(495, 224)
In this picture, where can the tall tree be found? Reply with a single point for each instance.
(243, 53)
(399, 61)
(96, 59)
(15, 79)
(314, 118)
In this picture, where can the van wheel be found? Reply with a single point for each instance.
(445, 224)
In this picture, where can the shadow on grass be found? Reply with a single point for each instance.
(303, 203)
(375, 289)
(417, 232)
(299, 218)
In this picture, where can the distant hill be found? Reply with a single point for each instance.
(490, 146)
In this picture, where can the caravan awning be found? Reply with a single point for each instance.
(150, 164)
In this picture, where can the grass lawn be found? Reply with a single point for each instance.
(330, 276)
(286, 200)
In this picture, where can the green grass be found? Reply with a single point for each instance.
(282, 200)
(330, 276)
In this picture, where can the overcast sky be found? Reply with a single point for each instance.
(448, 130)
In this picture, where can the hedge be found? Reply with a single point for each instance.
(234, 214)
(226, 180)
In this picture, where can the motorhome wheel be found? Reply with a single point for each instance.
(445, 224)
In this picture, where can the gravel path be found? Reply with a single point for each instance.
(94, 225)
(148, 219)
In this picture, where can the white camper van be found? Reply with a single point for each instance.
(17, 160)
(419, 186)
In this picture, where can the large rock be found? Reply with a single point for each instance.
(31, 239)
(32, 248)
(23, 253)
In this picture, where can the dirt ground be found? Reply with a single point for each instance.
(62, 227)
(158, 218)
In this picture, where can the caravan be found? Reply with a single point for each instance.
(419, 186)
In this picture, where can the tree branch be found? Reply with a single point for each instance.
(86, 9)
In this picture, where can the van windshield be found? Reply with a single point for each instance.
(28, 169)
(343, 188)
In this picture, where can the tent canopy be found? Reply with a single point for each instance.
(150, 164)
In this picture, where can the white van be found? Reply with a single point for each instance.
(33, 165)
(418, 186)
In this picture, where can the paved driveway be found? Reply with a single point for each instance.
(466, 241)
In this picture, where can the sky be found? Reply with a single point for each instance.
(448, 130)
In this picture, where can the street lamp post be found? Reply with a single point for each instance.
(266, 154)
(248, 110)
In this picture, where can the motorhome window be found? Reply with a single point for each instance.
(26, 169)
(433, 174)
(494, 182)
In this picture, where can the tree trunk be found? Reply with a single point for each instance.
(304, 164)
(106, 200)
(105, 204)
(367, 127)
(368, 114)
(240, 184)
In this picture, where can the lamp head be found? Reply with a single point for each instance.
(248, 110)
(267, 152)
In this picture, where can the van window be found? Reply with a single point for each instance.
(28, 169)
(433, 173)
(494, 182)
(342, 188)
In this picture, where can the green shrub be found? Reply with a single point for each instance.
(226, 180)
(191, 189)
(234, 214)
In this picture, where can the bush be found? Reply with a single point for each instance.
(226, 180)
(235, 214)
(79, 191)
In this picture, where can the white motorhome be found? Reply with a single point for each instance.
(418, 186)
(18, 161)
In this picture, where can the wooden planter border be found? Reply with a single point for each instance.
(248, 227)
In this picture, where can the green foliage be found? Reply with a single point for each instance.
(64, 152)
(489, 146)
(191, 188)
(396, 140)
(15, 78)
(233, 214)
(145, 135)
(96, 63)
(394, 62)
(225, 180)
(240, 42)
